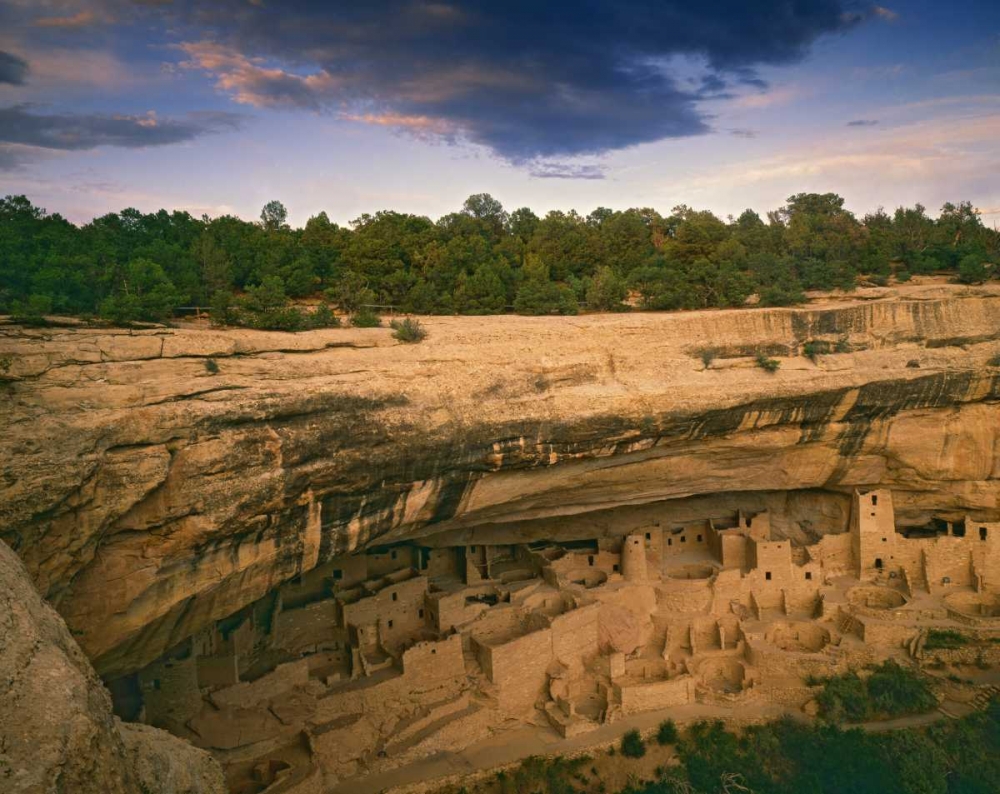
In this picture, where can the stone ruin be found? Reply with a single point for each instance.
(376, 659)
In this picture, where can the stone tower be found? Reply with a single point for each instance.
(634, 558)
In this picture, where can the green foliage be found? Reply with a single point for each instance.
(972, 270)
(537, 296)
(707, 356)
(408, 330)
(902, 276)
(890, 691)
(814, 348)
(365, 318)
(633, 745)
(606, 292)
(667, 732)
(844, 699)
(6, 362)
(133, 267)
(994, 361)
(556, 775)
(141, 292)
(944, 639)
(211, 367)
(767, 364)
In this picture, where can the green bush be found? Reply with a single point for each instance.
(633, 745)
(408, 330)
(944, 639)
(814, 348)
(894, 690)
(844, 699)
(211, 367)
(707, 356)
(994, 361)
(667, 732)
(890, 691)
(365, 318)
(322, 317)
(902, 276)
(767, 364)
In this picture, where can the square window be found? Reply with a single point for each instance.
(809, 574)
(390, 624)
(433, 651)
(338, 574)
(684, 539)
(472, 549)
(874, 500)
(395, 596)
(649, 536)
(420, 613)
(699, 538)
(615, 569)
(767, 575)
(393, 555)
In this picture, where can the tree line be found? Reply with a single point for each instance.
(130, 266)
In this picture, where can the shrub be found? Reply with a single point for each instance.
(632, 745)
(408, 330)
(767, 364)
(844, 698)
(211, 367)
(913, 364)
(842, 346)
(814, 348)
(667, 732)
(366, 318)
(994, 361)
(944, 639)
(707, 356)
(895, 690)
(323, 317)
(902, 276)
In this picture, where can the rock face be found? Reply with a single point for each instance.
(149, 495)
(57, 732)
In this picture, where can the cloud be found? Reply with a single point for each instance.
(13, 70)
(558, 170)
(81, 19)
(743, 133)
(524, 81)
(863, 123)
(23, 131)
(883, 13)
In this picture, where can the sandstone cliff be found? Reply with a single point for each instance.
(149, 495)
(57, 733)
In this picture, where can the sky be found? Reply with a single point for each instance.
(413, 105)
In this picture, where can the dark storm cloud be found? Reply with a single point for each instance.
(13, 70)
(525, 79)
(23, 130)
(862, 123)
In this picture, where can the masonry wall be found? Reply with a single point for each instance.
(575, 637)
(519, 669)
(307, 627)
(434, 662)
(170, 691)
(658, 695)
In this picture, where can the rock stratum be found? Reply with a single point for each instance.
(57, 732)
(149, 494)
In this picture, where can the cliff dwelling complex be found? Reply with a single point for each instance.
(330, 560)
(375, 659)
